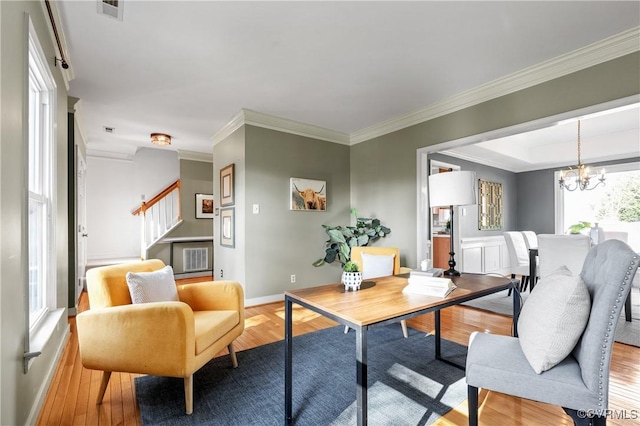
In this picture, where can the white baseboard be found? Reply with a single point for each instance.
(255, 301)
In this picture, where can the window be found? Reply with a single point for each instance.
(41, 184)
(615, 206)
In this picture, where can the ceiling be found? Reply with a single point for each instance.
(187, 68)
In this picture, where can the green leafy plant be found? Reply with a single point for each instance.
(579, 227)
(350, 267)
(342, 238)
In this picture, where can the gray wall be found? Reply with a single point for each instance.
(383, 169)
(536, 203)
(20, 393)
(469, 223)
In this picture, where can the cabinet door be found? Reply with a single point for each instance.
(491, 258)
(441, 246)
(472, 260)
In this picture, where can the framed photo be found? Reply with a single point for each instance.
(227, 227)
(308, 195)
(226, 185)
(204, 206)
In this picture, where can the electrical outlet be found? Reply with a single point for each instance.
(221, 273)
(293, 278)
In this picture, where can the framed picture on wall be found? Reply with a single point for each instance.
(227, 227)
(204, 206)
(226, 185)
(308, 195)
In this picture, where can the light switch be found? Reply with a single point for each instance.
(256, 208)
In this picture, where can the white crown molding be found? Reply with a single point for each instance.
(68, 74)
(594, 54)
(205, 157)
(259, 119)
(109, 154)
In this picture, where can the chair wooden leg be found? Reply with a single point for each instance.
(188, 394)
(232, 353)
(472, 405)
(405, 332)
(627, 308)
(106, 375)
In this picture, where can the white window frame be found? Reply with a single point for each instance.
(41, 120)
(560, 226)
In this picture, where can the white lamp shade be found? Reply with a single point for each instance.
(452, 189)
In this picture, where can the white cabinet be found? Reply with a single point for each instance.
(484, 255)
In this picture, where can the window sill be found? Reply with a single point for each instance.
(39, 338)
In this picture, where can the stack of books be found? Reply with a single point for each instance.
(422, 282)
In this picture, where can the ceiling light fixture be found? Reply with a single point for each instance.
(160, 139)
(579, 176)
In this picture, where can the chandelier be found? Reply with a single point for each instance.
(579, 176)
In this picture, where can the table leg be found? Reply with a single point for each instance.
(288, 368)
(516, 307)
(361, 375)
(533, 253)
(437, 327)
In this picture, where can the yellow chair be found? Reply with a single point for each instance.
(356, 257)
(171, 339)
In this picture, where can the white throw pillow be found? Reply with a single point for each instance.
(156, 286)
(377, 265)
(553, 318)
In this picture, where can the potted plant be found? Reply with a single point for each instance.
(351, 276)
(342, 238)
(579, 228)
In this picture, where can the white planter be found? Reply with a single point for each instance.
(351, 280)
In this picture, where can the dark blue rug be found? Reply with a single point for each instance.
(407, 386)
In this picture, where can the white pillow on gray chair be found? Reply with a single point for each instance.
(553, 318)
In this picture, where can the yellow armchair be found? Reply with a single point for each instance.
(170, 339)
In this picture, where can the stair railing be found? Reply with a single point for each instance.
(159, 216)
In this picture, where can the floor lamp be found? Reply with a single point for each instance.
(449, 189)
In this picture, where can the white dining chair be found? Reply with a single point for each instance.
(519, 257)
(530, 239)
(555, 251)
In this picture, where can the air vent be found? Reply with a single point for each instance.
(109, 129)
(195, 259)
(110, 8)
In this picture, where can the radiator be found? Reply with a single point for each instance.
(195, 259)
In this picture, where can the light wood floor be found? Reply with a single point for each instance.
(71, 397)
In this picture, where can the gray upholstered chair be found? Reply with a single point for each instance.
(580, 382)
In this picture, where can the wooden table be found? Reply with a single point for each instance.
(379, 302)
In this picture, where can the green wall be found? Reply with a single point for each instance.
(281, 242)
(384, 169)
(196, 177)
(378, 177)
(21, 394)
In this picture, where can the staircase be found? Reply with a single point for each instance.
(158, 216)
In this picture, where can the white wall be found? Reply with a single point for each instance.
(114, 189)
